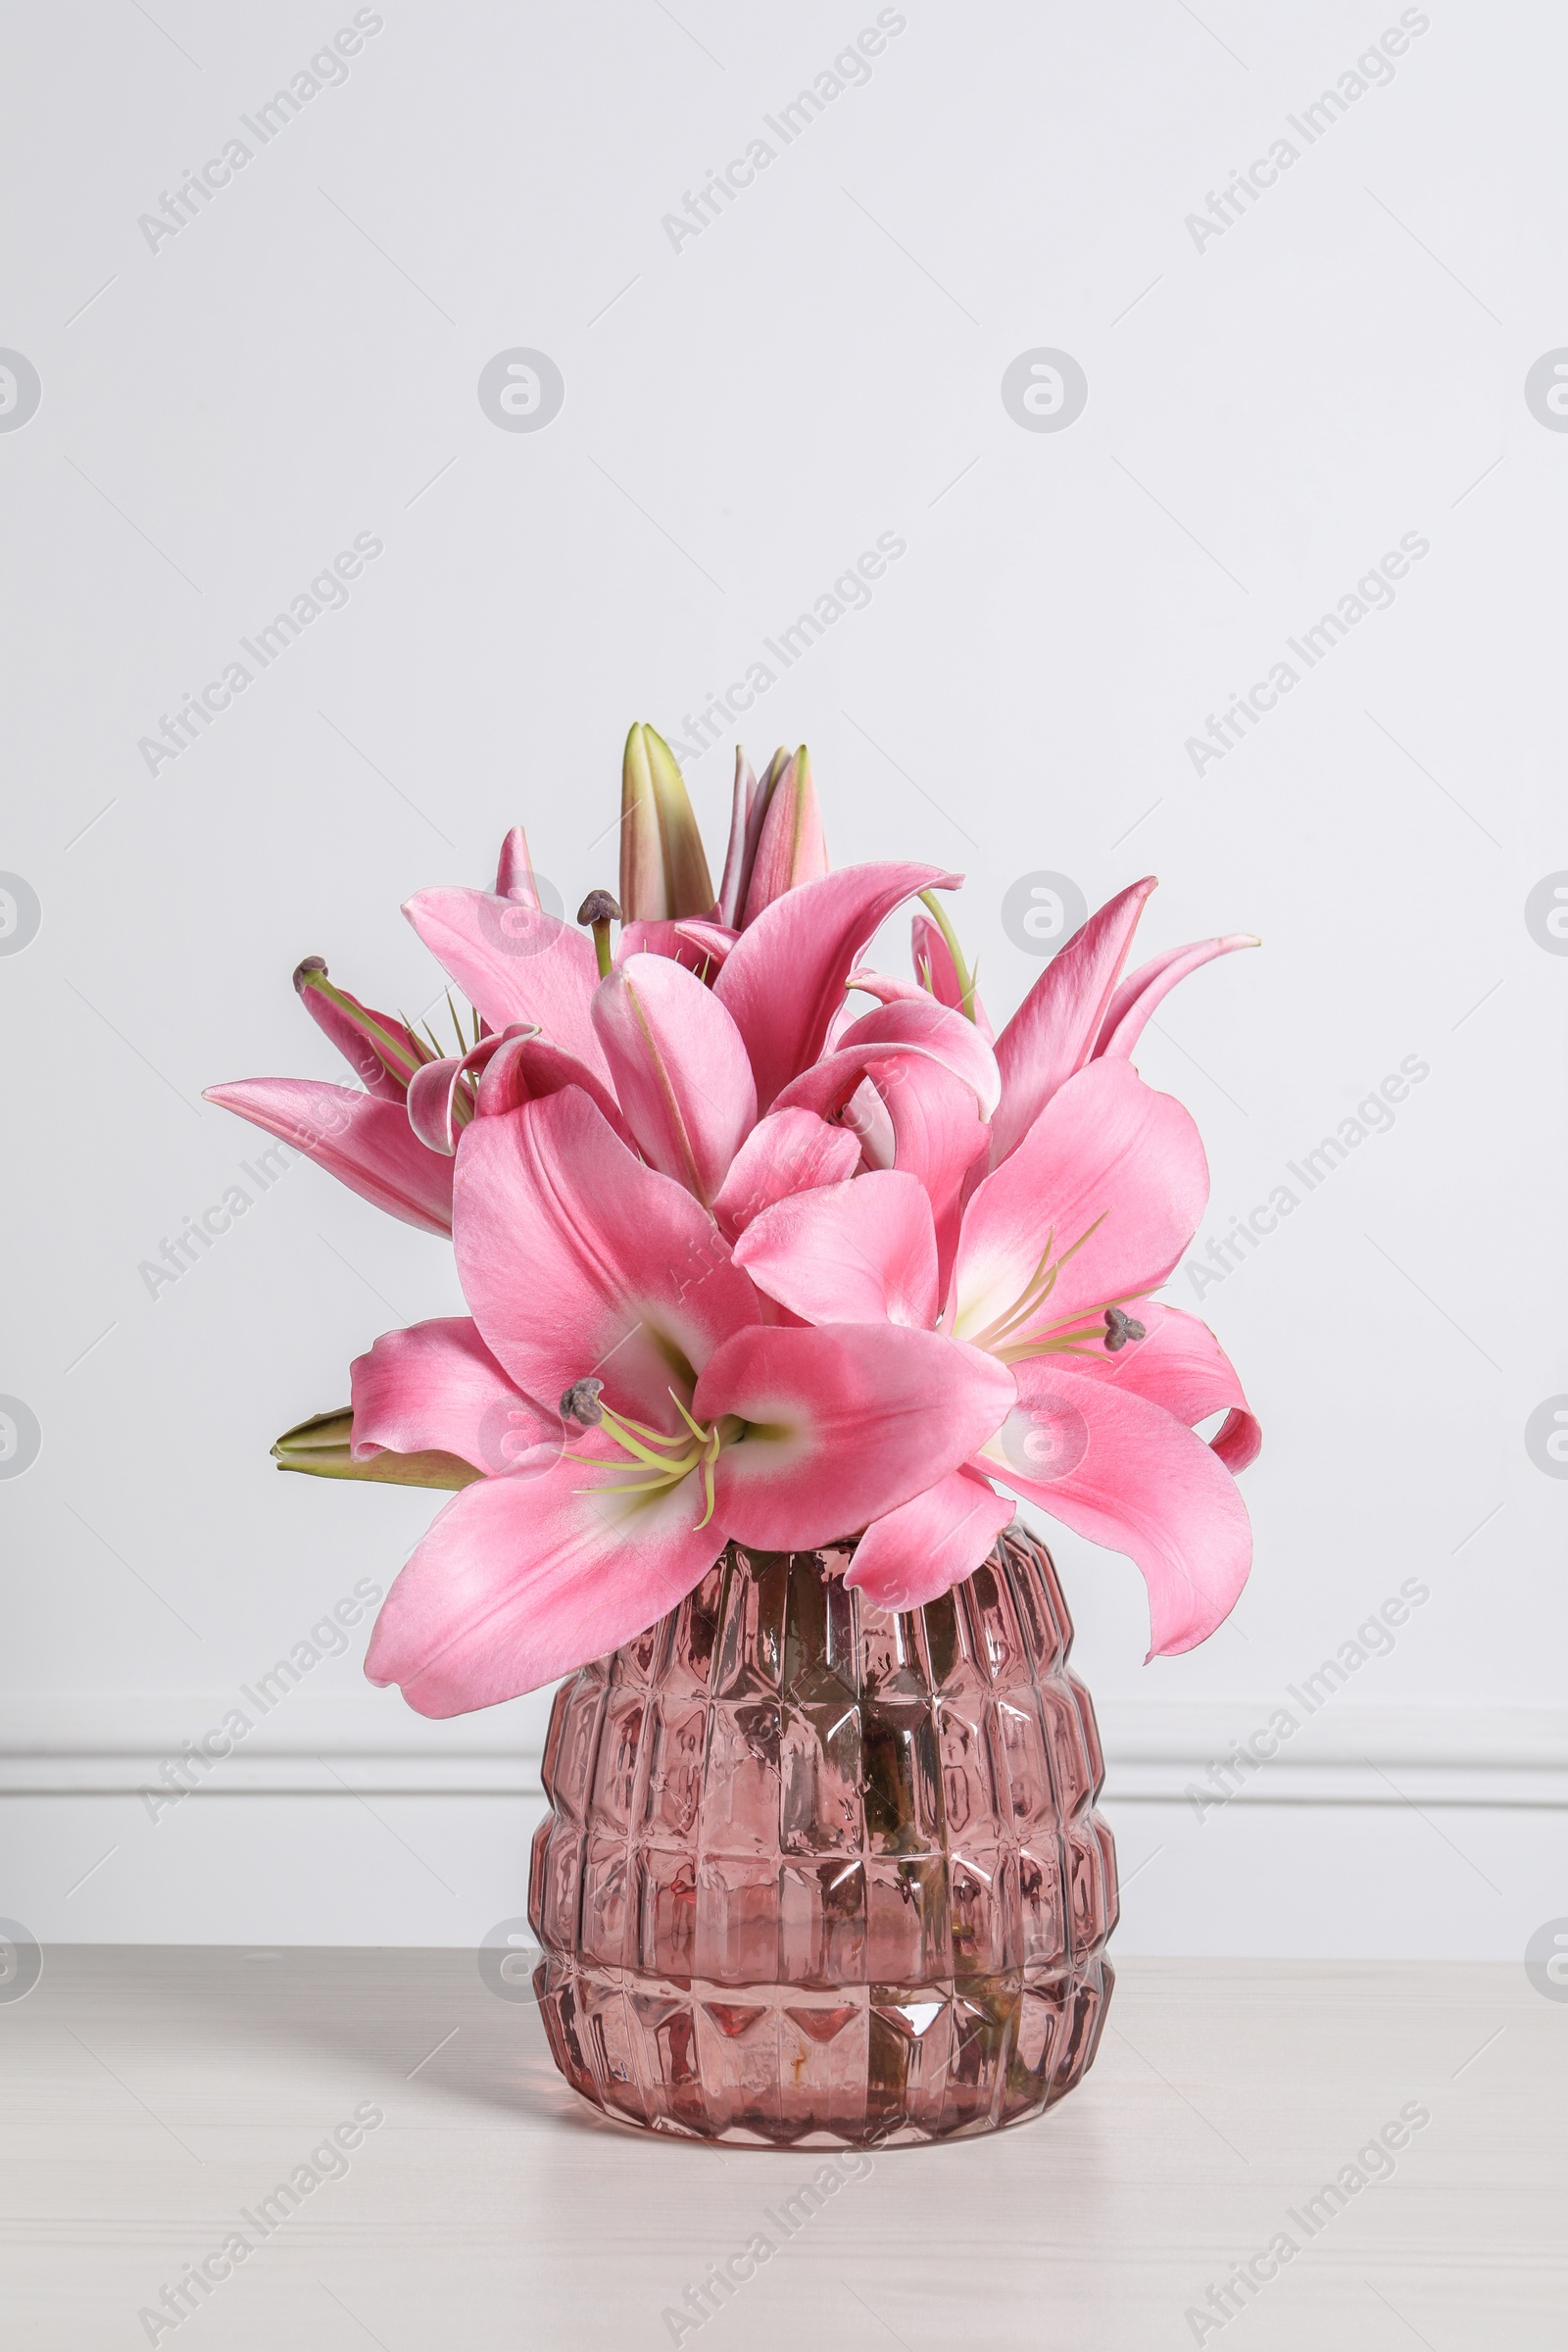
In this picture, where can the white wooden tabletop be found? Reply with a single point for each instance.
(154, 2100)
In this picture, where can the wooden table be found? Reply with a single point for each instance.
(152, 2099)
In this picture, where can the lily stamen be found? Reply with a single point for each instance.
(671, 1456)
(1092, 1324)
(1036, 1291)
(580, 1401)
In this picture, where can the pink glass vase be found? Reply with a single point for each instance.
(816, 1873)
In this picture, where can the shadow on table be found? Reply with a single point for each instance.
(422, 2016)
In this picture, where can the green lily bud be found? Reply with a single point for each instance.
(663, 868)
(320, 1447)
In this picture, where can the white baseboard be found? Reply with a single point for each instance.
(327, 1743)
(1347, 1755)
(307, 1743)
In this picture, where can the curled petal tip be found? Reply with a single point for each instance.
(514, 876)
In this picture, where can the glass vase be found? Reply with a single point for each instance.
(820, 1874)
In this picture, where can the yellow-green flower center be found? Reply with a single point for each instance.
(664, 1456)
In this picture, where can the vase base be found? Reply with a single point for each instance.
(789, 2066)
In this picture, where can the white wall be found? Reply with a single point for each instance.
(1268, 413)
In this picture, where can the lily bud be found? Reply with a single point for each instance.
(790, 848)
(663, 869)
(741, 842)
(746, 831)
(320, 1447)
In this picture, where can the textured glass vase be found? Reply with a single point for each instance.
(816, 1873)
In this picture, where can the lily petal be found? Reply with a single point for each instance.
(1112, 1172)
(1053, 1031)
(913, 1025)
(913, 1554)
(700, 946)
(364, 1142)
(524, 1067)
(1182, 1366)
(679, 1071)
(938, 1137)
(856, 1252)
(784, 978)
(787, 1152)
(519, 1580)
(884, 987)
(379, 1050)
(576, 1259)
(514, 964)
(1129, 1010)
(437, 1388)
(703, 947)
(887, 987)
(844, 1423)
(869, 1120)
(440, 1106)
(1125, 1473)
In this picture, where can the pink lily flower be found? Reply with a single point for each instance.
(1059, 1252)
(666, 1058)
(690, 1420)
(744, 1264)
(679, 1069)
(517, 965)
(1078, 1009)
(379, 1153)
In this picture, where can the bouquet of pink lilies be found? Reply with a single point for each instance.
(744, 1263)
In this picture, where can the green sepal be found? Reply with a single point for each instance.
(320, 1447)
